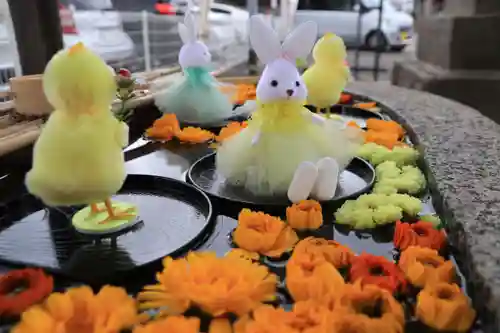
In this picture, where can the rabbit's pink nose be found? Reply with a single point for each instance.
(289, 92)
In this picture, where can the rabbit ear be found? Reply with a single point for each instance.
(264, 40)
(184, 33)
(299, 43)
(187, 30)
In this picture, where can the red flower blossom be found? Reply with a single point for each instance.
(20, 289)
(376, 270)
(421, 234)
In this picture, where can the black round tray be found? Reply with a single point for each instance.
(346, 111)
(355, 180)
(175, 218)
(216, 126)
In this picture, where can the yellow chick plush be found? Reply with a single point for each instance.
(78, 158)
(327, 77)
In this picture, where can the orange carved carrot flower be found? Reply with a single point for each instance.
(307, 214)
(266, 319)
(367, 309)
(310, 276)
(305, 317)
(194, 135)
(164, 128)
(174, 324)
(33, 284)
(216, 285)
(230, 129)
(421, 234)
(387, 126)
(444, 307)
(423, 266)
(244, 254)
(79, 310)
(338, 255)
(376, 270)
(263, 233)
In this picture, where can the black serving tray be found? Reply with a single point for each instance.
(350, 113)
(355, 180)
(175, 217)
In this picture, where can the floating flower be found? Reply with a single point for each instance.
(79, 310)
(305, 317)
(312, 316)
(444, 307)
(244, 92)
(366, 105)
(338, 255)
(164, 128)
(386, 126)
(376, 270)
(158, 133)
(194, 135)
(423, 266)
(386, 139)
(266, 319)
(367, 309)
(310, 276)
(392, 179)
(263, 233)
(418, 234)
(20, 289)
(372, 210)
(307, 214)
(354, 124)
(174, 324)
(376, 154)
(218, 286)
(244, 254)
(230, 129)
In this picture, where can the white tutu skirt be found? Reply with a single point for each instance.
(267, 166)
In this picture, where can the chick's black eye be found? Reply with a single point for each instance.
(297, 83)
(274, 83)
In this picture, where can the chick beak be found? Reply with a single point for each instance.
(76, 48)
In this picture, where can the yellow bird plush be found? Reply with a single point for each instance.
(327, 77)
(78, 158)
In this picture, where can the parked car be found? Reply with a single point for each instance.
(93, 22)
(407, 6)
(227, 22)
(341, 17)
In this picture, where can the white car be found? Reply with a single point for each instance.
(341, 18)
(89, 21)
(98, 26)
(407, 6)
(227, 23)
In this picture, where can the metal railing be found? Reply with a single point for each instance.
(156, 44)
(157, 41)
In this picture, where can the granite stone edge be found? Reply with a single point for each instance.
(450, 136)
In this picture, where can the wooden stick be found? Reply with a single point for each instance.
(19, 128)
(15, 142)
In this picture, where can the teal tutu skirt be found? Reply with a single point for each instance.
(196, 98)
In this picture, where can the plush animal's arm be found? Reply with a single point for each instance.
(346, 72)
(121, 134)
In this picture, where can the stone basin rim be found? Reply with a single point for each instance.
(451, 137)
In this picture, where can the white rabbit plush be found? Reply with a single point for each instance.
(286, 149)
(197, 97)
